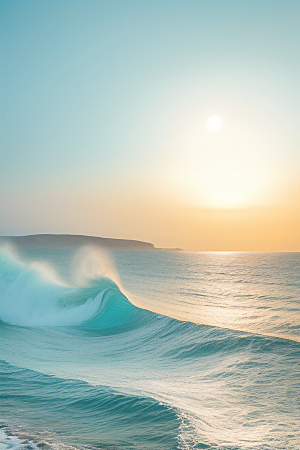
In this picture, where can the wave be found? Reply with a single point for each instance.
(33, 296)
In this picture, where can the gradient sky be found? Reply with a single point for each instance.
(104, 109)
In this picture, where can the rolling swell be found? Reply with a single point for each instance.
(84, 414)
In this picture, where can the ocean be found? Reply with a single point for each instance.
(133, 350)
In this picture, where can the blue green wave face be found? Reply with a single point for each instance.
(88, 367)
(29, 298)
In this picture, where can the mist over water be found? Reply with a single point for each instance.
(151, 350)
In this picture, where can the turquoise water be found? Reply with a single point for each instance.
(149, 350)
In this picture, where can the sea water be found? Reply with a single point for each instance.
(149, 350)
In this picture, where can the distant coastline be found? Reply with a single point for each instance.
(72, 241)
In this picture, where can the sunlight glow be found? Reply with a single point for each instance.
(214, 123)
(229, 185)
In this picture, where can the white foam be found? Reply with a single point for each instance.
(10, 442)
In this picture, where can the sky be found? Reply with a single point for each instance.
(104, 112)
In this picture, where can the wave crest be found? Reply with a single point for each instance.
(33, 295)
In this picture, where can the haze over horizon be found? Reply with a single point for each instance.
(172, 122)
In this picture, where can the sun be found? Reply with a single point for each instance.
(214, 123)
